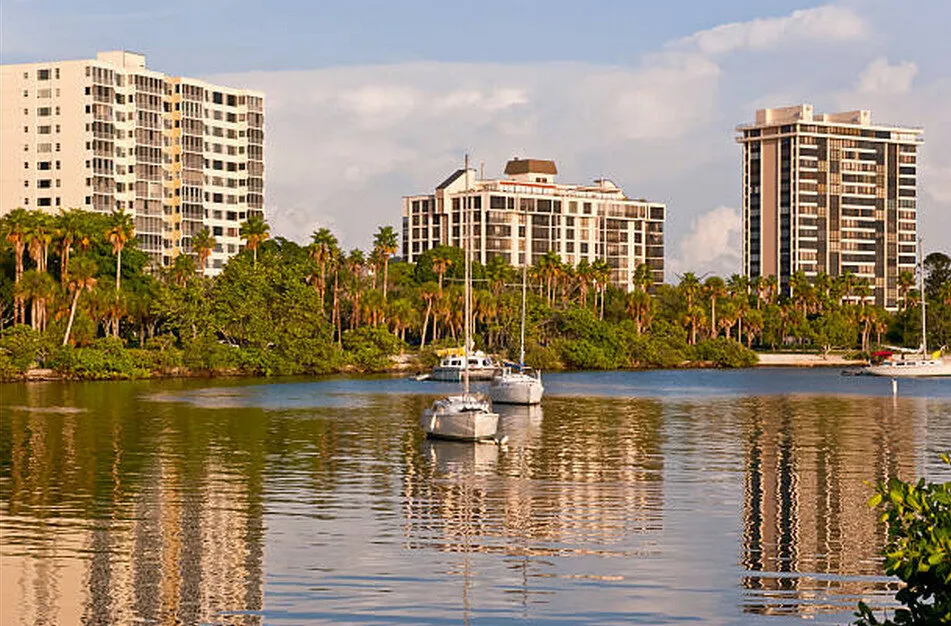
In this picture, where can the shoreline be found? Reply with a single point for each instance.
(805, 359)
(405, 364)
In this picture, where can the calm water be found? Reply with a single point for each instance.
(652, 497)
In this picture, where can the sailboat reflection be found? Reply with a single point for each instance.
(458, 459)
(520, 424)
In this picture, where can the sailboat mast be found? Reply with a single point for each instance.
(921, 289)
(467, 235)
(521, 352)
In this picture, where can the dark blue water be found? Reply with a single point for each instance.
(715, 497)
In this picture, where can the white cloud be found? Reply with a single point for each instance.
(714, 244)
(880, 77)
(824, 24)
(344, 144)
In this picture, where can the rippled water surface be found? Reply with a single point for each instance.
(717, 497)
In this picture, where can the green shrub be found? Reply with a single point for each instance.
(107, 358)
(8, 370)
(25, 347)
(918, 550)
(724, 352)
(583, 354)
(543, 358)
(369, 348)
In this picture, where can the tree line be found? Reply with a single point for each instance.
(79, 296)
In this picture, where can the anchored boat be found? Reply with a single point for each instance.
(465, 416)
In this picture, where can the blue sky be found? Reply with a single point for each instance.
(280, 35)
(370, 100)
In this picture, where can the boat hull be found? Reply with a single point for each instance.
(461, 418)
(525, 392)
(454, 375)
(465, 426)
(911, 369)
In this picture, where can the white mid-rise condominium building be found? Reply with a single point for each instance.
(108, 133)
(527, 214)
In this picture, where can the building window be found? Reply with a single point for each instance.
(43, 111)
(44, 202)
(44, 183)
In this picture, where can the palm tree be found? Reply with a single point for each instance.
(906, 280)
(355, 262)
(385, 244)
(548, 267)
(323, 244)
(441, 263)
(37, 287)
(429, 292)
(823, 289)
(203, 244)
(715, 288)
(689, 286)
(69, 230)
(39, 237)
(643, 279)
(497, 271)
(694, 318)
(801, 290)
(770, 287)
(400, 313)
(120, 231)
(183, 268)
(255, 231)
(754, 324)
(602, 275)
(81, 278)
(583, 277)
(638, 304)
(335, 260)
(16, 228)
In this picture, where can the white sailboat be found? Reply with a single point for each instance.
(465, 416)
(918, 365)
(520, 384)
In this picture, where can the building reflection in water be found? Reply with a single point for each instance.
(588, 483)
(808, 535)
(107, 522)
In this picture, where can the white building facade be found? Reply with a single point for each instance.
(108, 133)
(526, 214)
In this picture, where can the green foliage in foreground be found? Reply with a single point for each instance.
(918, 551)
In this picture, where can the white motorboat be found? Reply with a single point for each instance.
(464, 416)
(452, 365)
(918, 365)
(518, 384)
(913, 367)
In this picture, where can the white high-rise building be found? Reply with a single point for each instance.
(108, 133)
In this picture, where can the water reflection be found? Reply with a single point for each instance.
(182, 502)
(585, 483)
(115, 520)
(810, 543)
